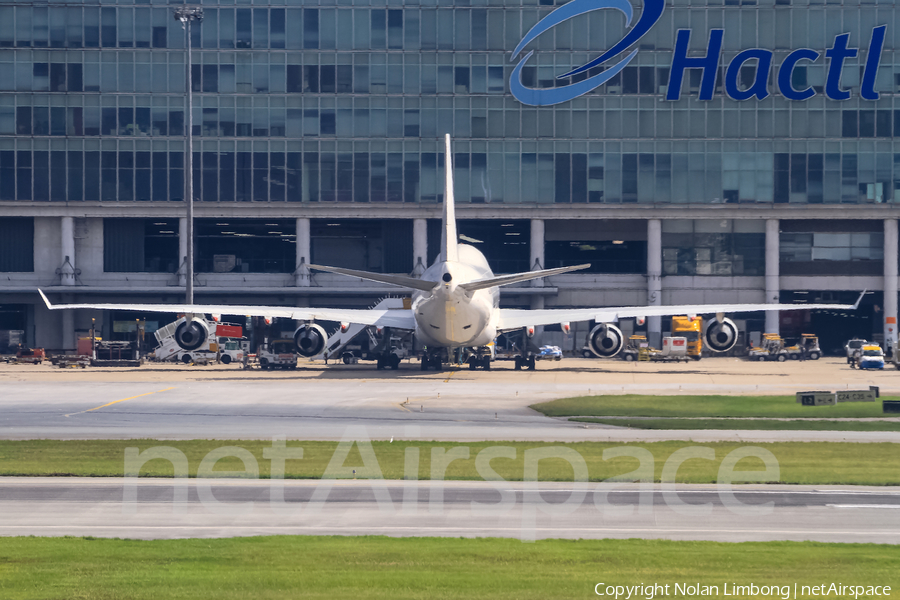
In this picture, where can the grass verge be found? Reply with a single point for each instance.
(380, 567)
(636, 405)
(753, 424)
(799, 462)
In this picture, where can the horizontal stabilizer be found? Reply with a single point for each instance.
(517, 277)
(398, 280)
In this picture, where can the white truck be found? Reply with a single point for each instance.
(277, 354)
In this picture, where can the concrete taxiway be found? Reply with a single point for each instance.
(317, 402)
(147, 508)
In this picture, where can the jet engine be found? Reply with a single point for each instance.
(191, 335)
(310, 340)
(605, 340)
(721, 336)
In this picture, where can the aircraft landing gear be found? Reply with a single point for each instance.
(432, 362)
(527, 362)
(388, 361)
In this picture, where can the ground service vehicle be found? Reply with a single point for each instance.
(690, 328)
(771, 347)
(808, 346)
(852, 347)
(871, 357)
(278, 354)
(674, 348)
(633, 347)
(24, 354)
(549, 353)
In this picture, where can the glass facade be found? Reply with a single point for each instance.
(345, 100)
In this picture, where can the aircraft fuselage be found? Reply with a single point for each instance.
(450, 317)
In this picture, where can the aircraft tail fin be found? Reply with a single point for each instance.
(517, 277)
(448, 230)
(398, 280)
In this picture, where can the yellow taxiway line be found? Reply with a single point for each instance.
(117, 401)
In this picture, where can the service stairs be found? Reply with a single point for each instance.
(339, 340)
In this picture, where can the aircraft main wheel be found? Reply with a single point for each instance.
(472, 364)
(438, 365)
(782, 358)
(225, 359)
(518, 360)
(394, 362)
(531, 363)
(186, 359)
(487, 363)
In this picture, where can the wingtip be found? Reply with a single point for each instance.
(858, 300)
(46, 300)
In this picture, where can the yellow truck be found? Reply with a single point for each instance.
(692, 329)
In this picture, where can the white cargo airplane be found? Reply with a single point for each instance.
(455, 304)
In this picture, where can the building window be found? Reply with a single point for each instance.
(713, 247)
(17, 245)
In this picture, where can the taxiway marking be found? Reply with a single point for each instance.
(117, 401)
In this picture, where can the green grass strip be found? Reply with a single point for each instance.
(636, 405)
(751, 424)
(799, 462)
(418, 568)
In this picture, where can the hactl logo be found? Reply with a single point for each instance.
(708, 64)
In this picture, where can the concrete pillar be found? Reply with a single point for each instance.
(301, 273)
(68, 326)
(67, 277)
(182, 250)
(654, 280)
(773, 285)
(67, 254)
(536, 246)
(420, 246)
(890, 282)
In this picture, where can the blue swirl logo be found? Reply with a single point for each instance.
(653, 9)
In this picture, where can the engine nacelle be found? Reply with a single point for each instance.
(191, 335)
(605, 340)
(721, 336)
(310, 340)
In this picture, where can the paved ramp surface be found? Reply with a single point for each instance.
(147, 509)
(321, 403)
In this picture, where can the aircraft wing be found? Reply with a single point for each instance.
(396, 318)
(514, 318)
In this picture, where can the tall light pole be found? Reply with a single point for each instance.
(186, 15)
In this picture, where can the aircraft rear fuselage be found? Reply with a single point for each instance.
(451, 317)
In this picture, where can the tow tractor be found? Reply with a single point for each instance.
(633, 347)
(808, 344)
(770, 348)
(674, 349)
(279, 354)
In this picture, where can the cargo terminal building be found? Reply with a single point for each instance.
(693, 151)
